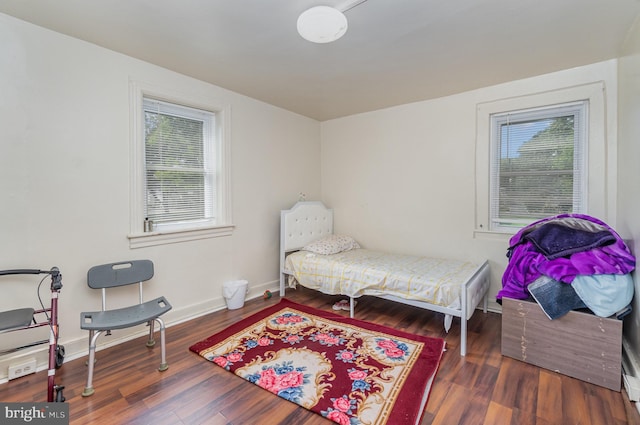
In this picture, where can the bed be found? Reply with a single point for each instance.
(452, 287)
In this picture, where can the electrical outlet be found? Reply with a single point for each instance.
(23, 368)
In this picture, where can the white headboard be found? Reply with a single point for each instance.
(304, 223)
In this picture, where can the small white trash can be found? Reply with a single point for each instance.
(234, 293)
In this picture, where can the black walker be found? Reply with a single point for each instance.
(24, 318)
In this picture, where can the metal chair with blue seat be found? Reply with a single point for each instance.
(113, 275)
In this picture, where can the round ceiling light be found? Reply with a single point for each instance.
(322, 24)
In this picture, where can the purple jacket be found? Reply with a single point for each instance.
(527, 262)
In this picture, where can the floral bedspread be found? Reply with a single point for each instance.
(365, 272)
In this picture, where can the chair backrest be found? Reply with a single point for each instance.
(119, 274)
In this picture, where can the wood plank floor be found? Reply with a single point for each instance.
(481, 388)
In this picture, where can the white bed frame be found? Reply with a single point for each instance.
(311, 220)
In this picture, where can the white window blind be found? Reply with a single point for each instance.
(538, 164)
(180, 175)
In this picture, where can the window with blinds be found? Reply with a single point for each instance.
(538, 166)
(180, 175)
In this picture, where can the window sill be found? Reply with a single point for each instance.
(142, 240)
(493, 234)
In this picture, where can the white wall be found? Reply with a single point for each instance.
(64, 180)
(629, 177)
(402, 179)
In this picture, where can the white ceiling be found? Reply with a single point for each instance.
(394, 52)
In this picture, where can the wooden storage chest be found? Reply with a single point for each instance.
(580, 345)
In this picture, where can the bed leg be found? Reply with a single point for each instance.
(282, 284)
(352, 303)
(485, 303)
(448, 319)
(463, 336)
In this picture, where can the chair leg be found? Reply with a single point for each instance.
(93, 337)
(151, 342)
(86, 363)
(163, 352)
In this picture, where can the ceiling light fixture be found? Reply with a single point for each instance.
(324, 24)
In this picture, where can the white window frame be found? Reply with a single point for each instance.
(595, 178)
(580, 193)
(172, 233)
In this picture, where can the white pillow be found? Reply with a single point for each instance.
(332, 245)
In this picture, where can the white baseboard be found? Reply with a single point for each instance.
(79, 347)
(630, 372)
(632, 386)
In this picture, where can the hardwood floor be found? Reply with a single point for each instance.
(480, 388)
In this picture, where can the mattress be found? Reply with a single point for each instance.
(365, 272)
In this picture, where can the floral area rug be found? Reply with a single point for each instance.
(347, 370)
